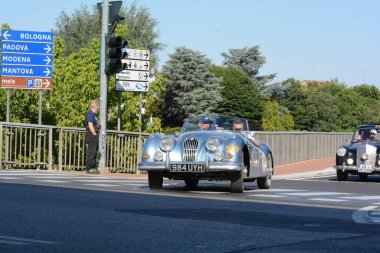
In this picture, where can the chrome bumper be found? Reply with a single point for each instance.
(352, 168)
(210, 167)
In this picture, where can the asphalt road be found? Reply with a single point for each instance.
(56, 212)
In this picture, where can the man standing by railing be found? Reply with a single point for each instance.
(92, 138)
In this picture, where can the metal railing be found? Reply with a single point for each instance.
(290, 147)
(64, 148)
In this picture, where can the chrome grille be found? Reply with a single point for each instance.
(190, 148)
(370, 151)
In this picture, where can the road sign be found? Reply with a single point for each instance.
(130, 75)
(132, 86)
(137, 54)
(26, 61)
(135, 64)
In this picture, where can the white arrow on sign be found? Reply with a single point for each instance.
(47, 60)
(6, 35)
(135, 64)
(46, 71)
(129, 75)
(46, 82)
(131, 86)
(47, 48)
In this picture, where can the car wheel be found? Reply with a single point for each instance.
(237, 179)
(191, 182)
(265, 182)
(341, 175)
(363, 177)
(155, 179)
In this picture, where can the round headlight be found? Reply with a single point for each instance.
(341, 151)
(167, 144)
(213, 144)
(350, 161)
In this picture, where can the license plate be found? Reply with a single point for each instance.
(365, 168)
(193, 167)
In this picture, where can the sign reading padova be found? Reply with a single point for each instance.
(26, 60)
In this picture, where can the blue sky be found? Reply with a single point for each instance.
(303, 39)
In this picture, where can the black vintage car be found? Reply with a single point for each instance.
(362, 156)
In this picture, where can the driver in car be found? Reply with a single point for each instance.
(239, 127)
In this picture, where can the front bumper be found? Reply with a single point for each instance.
(209, 167)
(354, 168)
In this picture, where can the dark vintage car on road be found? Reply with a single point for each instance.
(361, 156)
(218, 153)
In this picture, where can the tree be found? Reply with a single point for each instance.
(79, 29)
(250, 61)
(275, 119)
(240, 97)
(367, 91)
(191, 89)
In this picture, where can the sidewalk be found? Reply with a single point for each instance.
(299, 168)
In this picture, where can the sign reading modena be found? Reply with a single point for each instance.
(26, 61)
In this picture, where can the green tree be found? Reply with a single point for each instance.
(84, 24)
(367, 91)
(271, 120)
(79, 29)
(240, 97)
(250, 61)
(191, 89)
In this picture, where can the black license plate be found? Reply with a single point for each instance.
(194, 167)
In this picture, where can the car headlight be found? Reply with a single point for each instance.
(341, 151)
(218, 155)
(213, 144)
(350, 161)
(167, 144)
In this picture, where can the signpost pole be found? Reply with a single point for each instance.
(103, 88)
(119, 111)
(40, 109)
(8, 103)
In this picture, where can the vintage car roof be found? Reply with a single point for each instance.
(371, 124)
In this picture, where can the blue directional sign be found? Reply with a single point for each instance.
(27, 59)
(27, 36)
(26, 47)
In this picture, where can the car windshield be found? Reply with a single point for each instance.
(215, 123)
(366, 134)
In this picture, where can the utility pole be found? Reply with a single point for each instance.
(103, 88)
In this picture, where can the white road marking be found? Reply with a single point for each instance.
(361, 215)
(305, 194)
(102, 185)
(362, 197)
(101, 180)
(283, 190)
(11, 178)
(19, 240)
(267, 195)
(52, 181)
(329, 200)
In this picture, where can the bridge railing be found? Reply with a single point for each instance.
(64, 148)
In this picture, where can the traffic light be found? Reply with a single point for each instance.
(115, 54)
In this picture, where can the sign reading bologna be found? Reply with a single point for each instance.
(26, 60)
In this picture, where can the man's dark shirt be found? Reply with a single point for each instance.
(90, 117)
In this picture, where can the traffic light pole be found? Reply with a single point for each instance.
(103, 88)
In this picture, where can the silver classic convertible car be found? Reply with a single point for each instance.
(209, 148)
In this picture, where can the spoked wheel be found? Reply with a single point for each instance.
(237, 179)
(341, 175)
(191, 182)
(265, 182)
(155, 179)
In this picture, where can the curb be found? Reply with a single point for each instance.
(330, 171)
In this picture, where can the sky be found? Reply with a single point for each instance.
(302, 39)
